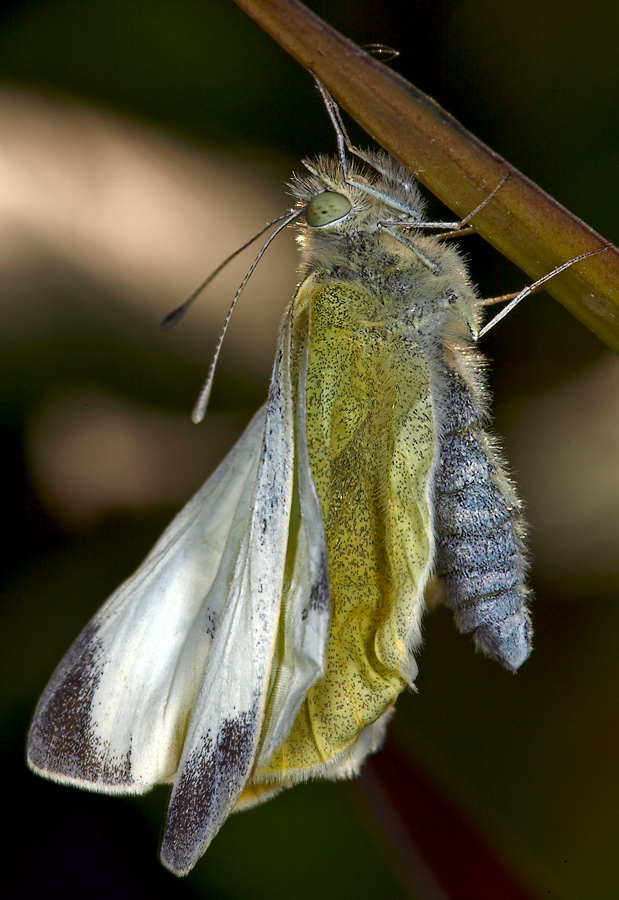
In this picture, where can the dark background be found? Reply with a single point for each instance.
(532, 759)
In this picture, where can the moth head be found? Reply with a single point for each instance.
(369, 193)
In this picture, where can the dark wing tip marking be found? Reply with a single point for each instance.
(210, 782)
(320, 594)
(62, 742)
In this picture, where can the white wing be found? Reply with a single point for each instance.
(188, 672)
(114, 714)
(305, 615)
(227, 718)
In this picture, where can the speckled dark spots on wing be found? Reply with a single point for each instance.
(210, 621)
(320, 595)
(62, 739)
(211, 780)
(480, 554)
(274, 399)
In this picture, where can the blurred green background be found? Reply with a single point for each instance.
(140, 143)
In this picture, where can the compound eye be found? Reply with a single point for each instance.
(326, 208)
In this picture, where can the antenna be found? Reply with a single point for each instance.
(173, 317)
(199, 410)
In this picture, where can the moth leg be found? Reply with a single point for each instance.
(462, 227)
(333, 111)
(425, 259)
(530, 289)
(344, 144)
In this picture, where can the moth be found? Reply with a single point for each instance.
(268, 634)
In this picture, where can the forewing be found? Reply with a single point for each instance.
(305, 616)
(113, 716)
(227, 719)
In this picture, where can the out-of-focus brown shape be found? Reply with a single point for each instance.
(564, 445)
(522, 221)
(140, 213)
(91, 453)
(116, 216)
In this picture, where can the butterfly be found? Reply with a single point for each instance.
(266, 637)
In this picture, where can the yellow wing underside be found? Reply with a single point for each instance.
(371, 440)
